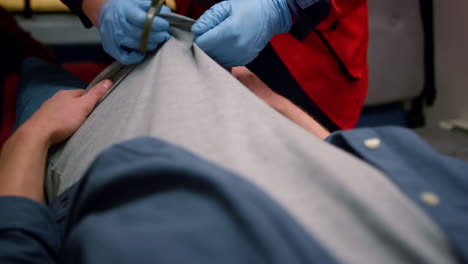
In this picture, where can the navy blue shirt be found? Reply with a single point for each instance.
(437, 183)
(145, 200)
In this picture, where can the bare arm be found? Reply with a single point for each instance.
(22, 164)
(23, 157)
(278, 102)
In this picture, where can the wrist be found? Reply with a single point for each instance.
(92, 9)
(35, 135)
(22, 164)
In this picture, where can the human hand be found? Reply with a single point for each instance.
(59, 117)
(234, 32)
(121, 24)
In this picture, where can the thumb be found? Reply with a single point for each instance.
(92, 97)
(212, 18)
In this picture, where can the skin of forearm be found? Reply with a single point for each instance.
(278, 102)
(298, 116)
(23, 157)
(22, 165)
(92, 8)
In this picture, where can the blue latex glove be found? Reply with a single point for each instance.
(234, 32)
(121, 24)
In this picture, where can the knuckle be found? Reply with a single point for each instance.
(61, 93)
(100, 91)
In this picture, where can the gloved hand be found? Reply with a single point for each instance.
(234, 32)
(121, 24)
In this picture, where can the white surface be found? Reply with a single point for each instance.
(59, 29)
(454, 124)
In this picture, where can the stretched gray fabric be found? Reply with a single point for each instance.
(182, 96)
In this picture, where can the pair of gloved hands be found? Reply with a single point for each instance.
(232, 32)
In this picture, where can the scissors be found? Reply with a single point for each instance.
(153, 11)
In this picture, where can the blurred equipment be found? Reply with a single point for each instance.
(172, 5)
(27, 7)
(396, 52)
(31, 6)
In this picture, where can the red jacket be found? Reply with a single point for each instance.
(330, 65)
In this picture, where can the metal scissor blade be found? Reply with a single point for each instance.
(153, 11)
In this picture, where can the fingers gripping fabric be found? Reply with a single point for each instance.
(179, 94)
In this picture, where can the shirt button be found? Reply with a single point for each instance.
(372, 143)
(430, 199)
